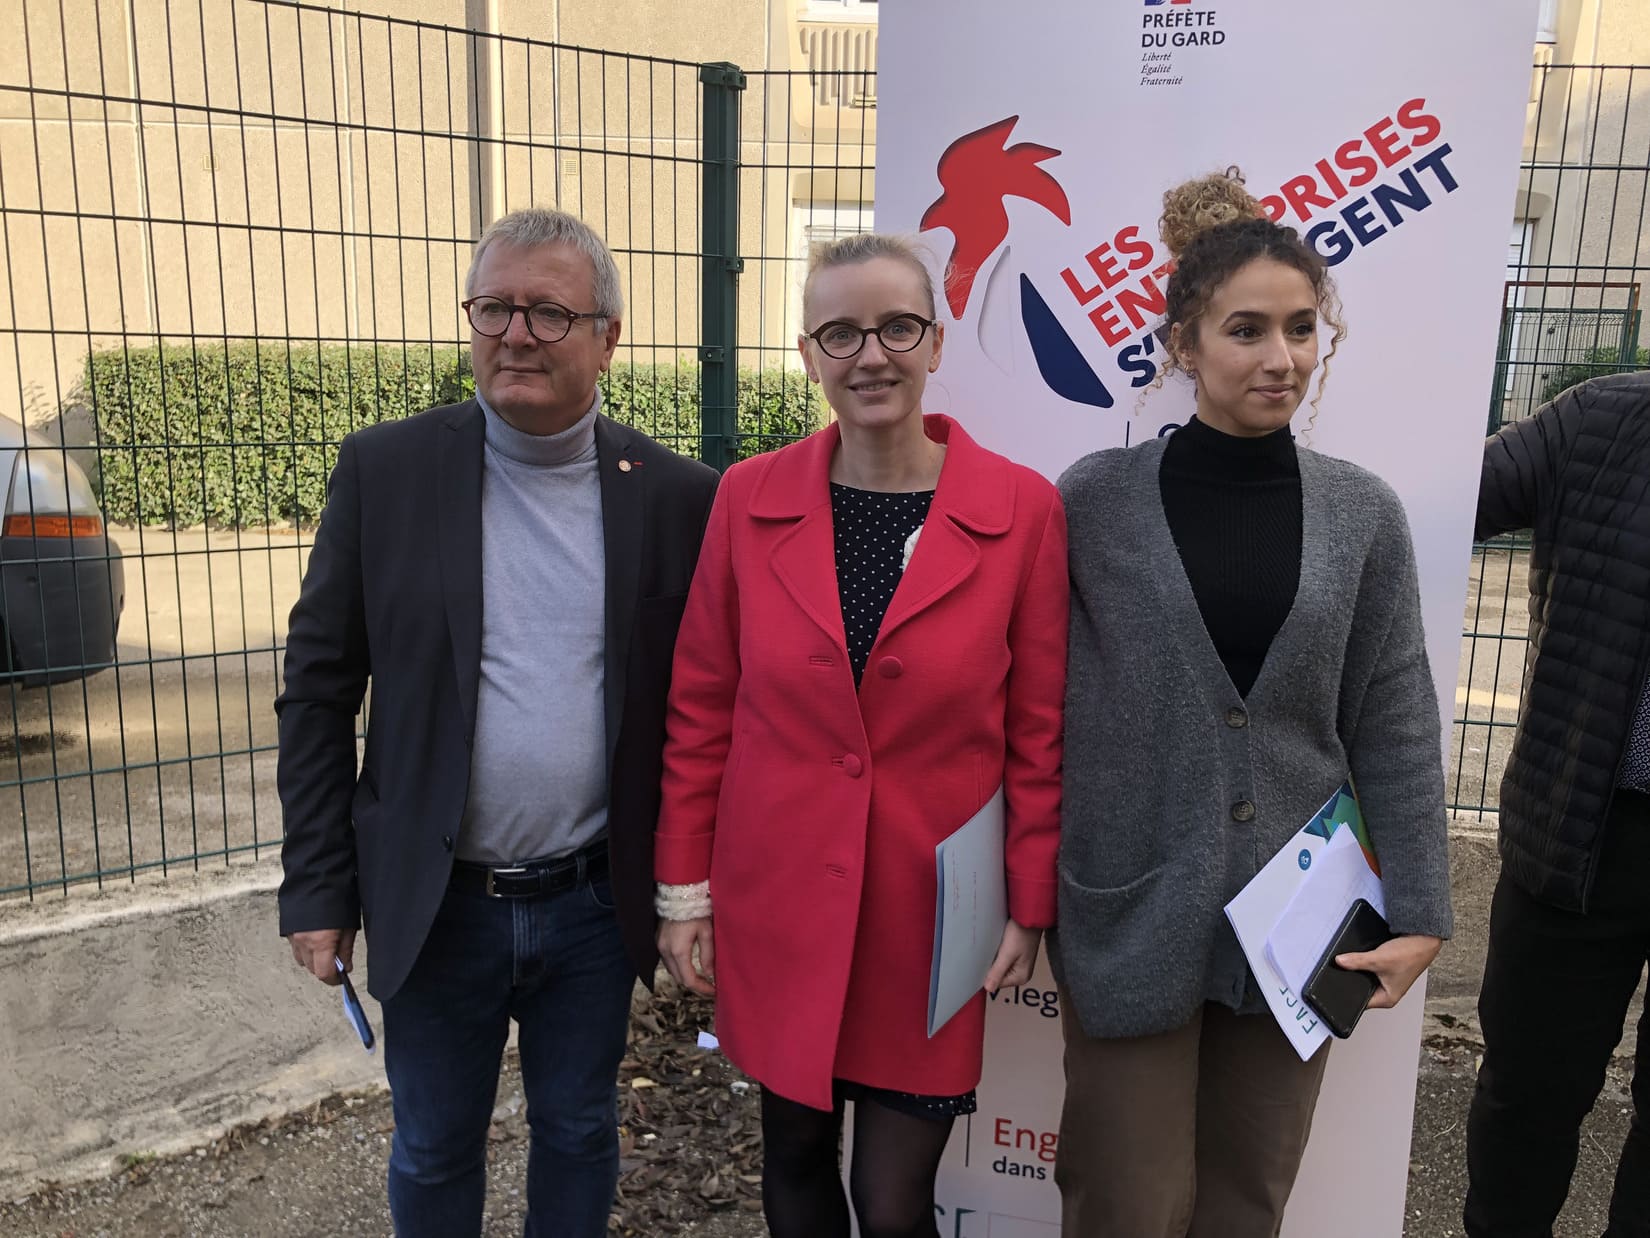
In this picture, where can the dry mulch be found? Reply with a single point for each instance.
(690, 1136)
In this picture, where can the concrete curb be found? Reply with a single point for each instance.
(148, 1019)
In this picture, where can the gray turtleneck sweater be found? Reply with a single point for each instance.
(538, 782)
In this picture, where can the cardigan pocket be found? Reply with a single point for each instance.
(1132, 956)
(1108, 901)
(1142, 918)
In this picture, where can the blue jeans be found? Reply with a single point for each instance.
(556, 966)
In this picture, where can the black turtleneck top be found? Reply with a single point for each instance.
(1234, 508)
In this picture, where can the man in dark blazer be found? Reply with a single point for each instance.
(1570, 922)
(508, 574)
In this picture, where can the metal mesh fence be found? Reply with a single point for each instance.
(1577, 255)
(235, 230)
(233, 233)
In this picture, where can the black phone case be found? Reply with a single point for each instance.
(1339, 997)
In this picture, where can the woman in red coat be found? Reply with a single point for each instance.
(875, 641)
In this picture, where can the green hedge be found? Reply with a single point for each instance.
(245, 434)
(1607, 359)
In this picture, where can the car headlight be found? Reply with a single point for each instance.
(50, 497)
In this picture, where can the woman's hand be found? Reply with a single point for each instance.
(1397, 964)
(1016, 957)
(677, 942)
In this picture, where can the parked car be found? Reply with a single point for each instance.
(62, 585)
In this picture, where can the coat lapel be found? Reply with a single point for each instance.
(624, 506)
(796, 488)
(458, 507)
(804, 559)
(972, 500)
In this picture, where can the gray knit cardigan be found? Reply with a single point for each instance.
(1178, 790)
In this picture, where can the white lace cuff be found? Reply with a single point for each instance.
(689, 902)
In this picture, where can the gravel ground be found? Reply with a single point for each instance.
(1438, 1155)
(320, 1173)
(691, 1148)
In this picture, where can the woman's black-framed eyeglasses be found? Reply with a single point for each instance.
(547, 321)
(843, 339)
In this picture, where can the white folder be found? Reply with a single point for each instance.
(970, 912)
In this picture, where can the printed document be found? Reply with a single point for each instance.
(970, 913)
(1259, 904)
(1337, 879)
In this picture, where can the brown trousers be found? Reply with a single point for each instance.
(1193, 1133)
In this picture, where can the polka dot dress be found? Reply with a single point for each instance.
(872, 528)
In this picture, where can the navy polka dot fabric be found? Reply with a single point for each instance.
(871, 528)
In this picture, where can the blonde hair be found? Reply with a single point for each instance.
(1192, 208)
(851, 250)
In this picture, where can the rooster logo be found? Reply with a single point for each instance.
(977, 173)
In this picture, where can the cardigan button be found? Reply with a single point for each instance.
(890, 668)
(1237, 718)
(852, 766)
(1243, 810)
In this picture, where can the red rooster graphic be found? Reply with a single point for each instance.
(976, 173)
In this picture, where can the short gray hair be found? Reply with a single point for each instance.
(536, 225)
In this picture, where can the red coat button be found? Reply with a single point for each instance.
(852, 766)
(890, 668)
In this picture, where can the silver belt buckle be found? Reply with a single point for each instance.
(494, 872)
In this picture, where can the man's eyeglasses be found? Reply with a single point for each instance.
(843, 340)
(547, 322)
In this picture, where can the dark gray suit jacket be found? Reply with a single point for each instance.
(392, 595)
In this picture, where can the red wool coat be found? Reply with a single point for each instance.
(814, 810)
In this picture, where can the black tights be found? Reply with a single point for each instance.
(896, 1157)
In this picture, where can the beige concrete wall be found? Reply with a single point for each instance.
(149, 1020)
(1602, 32)
(1598, 219)
(321, 175)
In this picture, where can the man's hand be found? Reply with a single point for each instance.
(315, 950)
(1016, 957)
(1397, 964)
(677, 940)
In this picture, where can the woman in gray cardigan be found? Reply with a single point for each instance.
(1245, 632)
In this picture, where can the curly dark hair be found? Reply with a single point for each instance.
(1215, 228)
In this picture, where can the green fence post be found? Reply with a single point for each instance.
(720, 266)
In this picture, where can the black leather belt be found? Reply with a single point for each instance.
(536, 879)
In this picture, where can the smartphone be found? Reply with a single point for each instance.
(353, 1009)
(1339, 996)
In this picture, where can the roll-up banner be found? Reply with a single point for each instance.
(1030, 145)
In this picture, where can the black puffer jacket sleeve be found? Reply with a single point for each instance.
(1521, 465)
